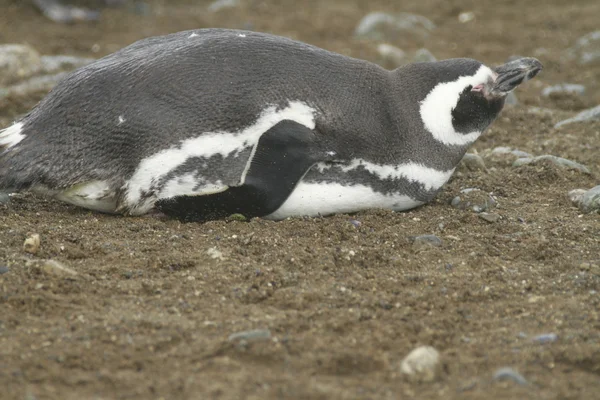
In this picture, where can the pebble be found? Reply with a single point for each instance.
(57, 12)
(474, 199)
(17, 62)
(543, 112)
(391, 55)
(507, 373)
(504, 156)
(222, 4)
(586, 49)
(561, 88)
(237, 217)
(356, 223)
(558, 161)
(489, 217)
(425, 241)
(421, 364)
(4, 198)
(142, 8)
(53, 267)
(545, 338)
(511, 99)
(388, 27)
(508, 150)
(473, 162)
(56, 64)
(36, 84)
(23, 71)
(591, 114)
(466, 16)
(575, 196)
(424, 55)
(251, 335)
(590, 201)
(215, 254)
(4, 269)
(31, 244)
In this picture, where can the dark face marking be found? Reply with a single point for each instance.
(474, 112)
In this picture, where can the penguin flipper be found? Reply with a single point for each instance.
(278, 162)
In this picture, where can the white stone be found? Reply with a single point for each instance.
(422, 364)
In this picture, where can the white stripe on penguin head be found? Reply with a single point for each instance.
(436, 108)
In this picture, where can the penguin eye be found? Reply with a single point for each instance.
(477, 88)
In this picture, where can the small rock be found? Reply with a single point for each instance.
(356, 223)
(57, 12)
(55, 64)
(215, 253)
(571, 88)
(473, 162)
(489, 217)
(425, 241)
(591, 114)
(31, 244)
(586, 49)
(422, 364)
(255, 334)
(4, 269)
(474, 199)
(423, 55)
(545, 338)
(456, 202)
(237, 217)
(142, 8)
(391, 55)
(504, 156)
(508, 150)
(558, 161)
(388, 27)
(222, 4)
(17, 62)
(575, 196)
(507, 373)
(465, 17)
(4, 198)
(34, 85)
(511, 99)
(52, 267)
(541, 112)
(520, 154)
(590, 201)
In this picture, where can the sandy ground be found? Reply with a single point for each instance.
(152, 303)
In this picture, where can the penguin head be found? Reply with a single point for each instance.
(464, 96)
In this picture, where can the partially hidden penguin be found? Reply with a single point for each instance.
(207, 123)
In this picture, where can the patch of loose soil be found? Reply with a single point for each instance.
(150, 310)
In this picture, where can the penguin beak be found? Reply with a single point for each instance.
(513, 73)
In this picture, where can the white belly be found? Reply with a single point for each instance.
(313, 199)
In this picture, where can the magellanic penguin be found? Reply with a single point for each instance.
(203, 124)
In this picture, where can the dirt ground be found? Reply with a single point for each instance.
(149, 313)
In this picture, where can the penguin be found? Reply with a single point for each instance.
(56, 11)
(203, 124)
